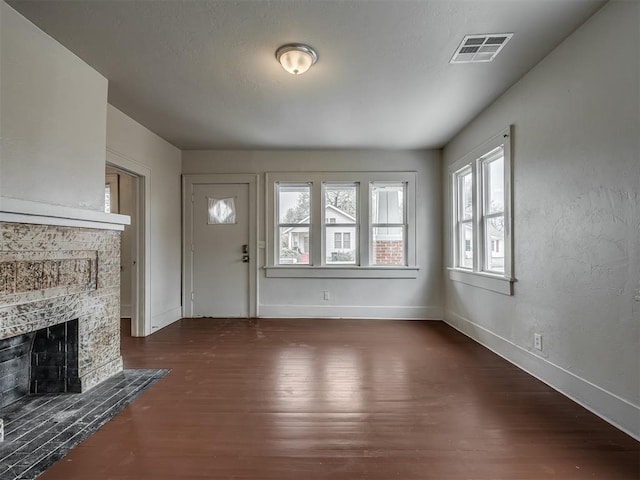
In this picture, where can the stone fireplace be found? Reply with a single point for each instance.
(59, 308)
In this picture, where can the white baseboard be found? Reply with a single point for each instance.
(350, 311)
(617, 411)
(163, 319)
(125, 311)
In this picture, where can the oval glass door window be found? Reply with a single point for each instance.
(222, 211)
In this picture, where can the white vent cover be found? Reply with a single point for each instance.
(480, 48)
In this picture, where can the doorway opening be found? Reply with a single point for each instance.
(124, 195)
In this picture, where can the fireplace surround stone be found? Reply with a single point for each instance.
(53, 274)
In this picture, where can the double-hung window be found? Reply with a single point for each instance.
(388, 223)
(340, 203)
(481, 216)
(294, 223)
(493, 192)
(351, 224)
(464, 217)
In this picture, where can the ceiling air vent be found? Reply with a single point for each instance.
(480, 48)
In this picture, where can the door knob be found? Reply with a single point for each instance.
(245, 258)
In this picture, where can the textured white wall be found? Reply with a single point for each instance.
(410, 298)
(53, 119)
(129, 139)
(576, 169)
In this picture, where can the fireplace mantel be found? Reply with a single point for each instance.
(24, 211)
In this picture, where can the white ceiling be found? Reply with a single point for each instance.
(202, 74)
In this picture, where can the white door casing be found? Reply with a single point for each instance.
(216, 281)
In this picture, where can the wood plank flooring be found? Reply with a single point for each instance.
(341, 399)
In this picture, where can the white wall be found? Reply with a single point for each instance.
(130, 144)
(395, 298)
(53, 119)
(576, 172)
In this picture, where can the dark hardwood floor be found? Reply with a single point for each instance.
(342, 399)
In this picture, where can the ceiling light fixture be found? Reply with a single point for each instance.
(296, 58)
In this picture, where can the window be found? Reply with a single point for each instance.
(493, 208)
(464, 217)
(221, 211)
(388, 227)
(355, 224)
(342, 240)
(346, 239)
(111, 187)
(294, 222)
(340, 203)
(107, 198)
(480, 206)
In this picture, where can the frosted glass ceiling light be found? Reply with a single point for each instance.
(296, 58)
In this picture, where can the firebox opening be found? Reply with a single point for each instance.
(54, 360)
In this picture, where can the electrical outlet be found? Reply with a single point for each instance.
(326, 295)
(537, 341)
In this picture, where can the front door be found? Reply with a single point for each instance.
(220, 250)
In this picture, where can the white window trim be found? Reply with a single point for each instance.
(478, 277)
(317, 268)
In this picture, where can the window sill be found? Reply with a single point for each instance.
(487, 281)
(340, 272)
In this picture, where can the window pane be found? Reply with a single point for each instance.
(107, 198)
(294, 245)
(346, 240)
(340, 202)
(494, 244)
(494, 185)
(294, 203)
(388, 246)
(222, 211)
(465, 187)
(387, 202)
(338, 245)
(465, 254)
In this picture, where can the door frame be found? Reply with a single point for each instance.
(141, 295)
(188, 183)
